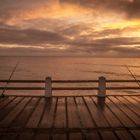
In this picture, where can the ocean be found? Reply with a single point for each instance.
(70, 68)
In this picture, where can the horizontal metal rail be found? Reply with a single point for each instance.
(53, 81)
(68, 88)
(66, 81)
(48, 85)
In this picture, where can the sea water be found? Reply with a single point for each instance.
(69, 68)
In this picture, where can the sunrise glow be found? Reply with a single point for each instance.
(71, 27)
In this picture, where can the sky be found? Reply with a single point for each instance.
(100, 28)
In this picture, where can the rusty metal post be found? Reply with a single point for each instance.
(48, 87)
(102, 87)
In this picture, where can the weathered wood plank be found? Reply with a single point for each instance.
(41, 137)
(96, 113)
(108, 135)
(36, 116)
(60, 120)
(92, 136)
(6, 101)
(4, 112)
(119, 114)
(14, 113)
(26, 136)
(130, 114)
(73, 120)
(133, 101)
(129, 105)
(84, 116)
(25, 114)
(137, 98)
(136, 134)
(48, 117)
(75, 136)
(124, 135)
(106, 113)
(59, 137)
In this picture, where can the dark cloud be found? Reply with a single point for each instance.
(11, 8)
(29, 37)
(130, 7)
(120, 41)
(79, 45)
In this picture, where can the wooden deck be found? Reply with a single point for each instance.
(79, 118)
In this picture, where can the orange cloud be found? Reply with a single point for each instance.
(71, 27)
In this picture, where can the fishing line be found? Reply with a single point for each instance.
(132, 75)
(12, 73)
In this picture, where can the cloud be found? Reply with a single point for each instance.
(29, 37)
(14, 10)
(41, 42)
(88, 27)
(131, 8)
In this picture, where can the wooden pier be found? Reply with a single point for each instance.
(109, 117)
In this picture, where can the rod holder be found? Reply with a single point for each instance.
(48, 87)
(102, 87)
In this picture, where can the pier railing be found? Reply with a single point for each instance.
(48, 88)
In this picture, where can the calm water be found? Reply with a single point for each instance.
(70, 68)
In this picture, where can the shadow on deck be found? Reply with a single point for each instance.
(80, 117)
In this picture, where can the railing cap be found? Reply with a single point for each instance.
(48, 78)
(102, 78)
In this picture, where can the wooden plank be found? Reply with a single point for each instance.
(83, 113)
(73, 120)
(124, 135)
(92, 136)
(119, 114)
(36, 116)
(129, 105)
(60, 120)
(26, 113)
(14, 113)
(9, 136)
(96, 113)
(25, 136)
(4, 112)
(130, 114)
(106, 114)
(6, 101)
(136, 134)
(59, 137)
(133, 101)
(75, 136)
(1, 98)
(48, 116)
(41, 137)
(108, 135)
(137, 98)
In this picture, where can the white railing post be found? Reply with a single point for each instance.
(48, 87)
(102, 87)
